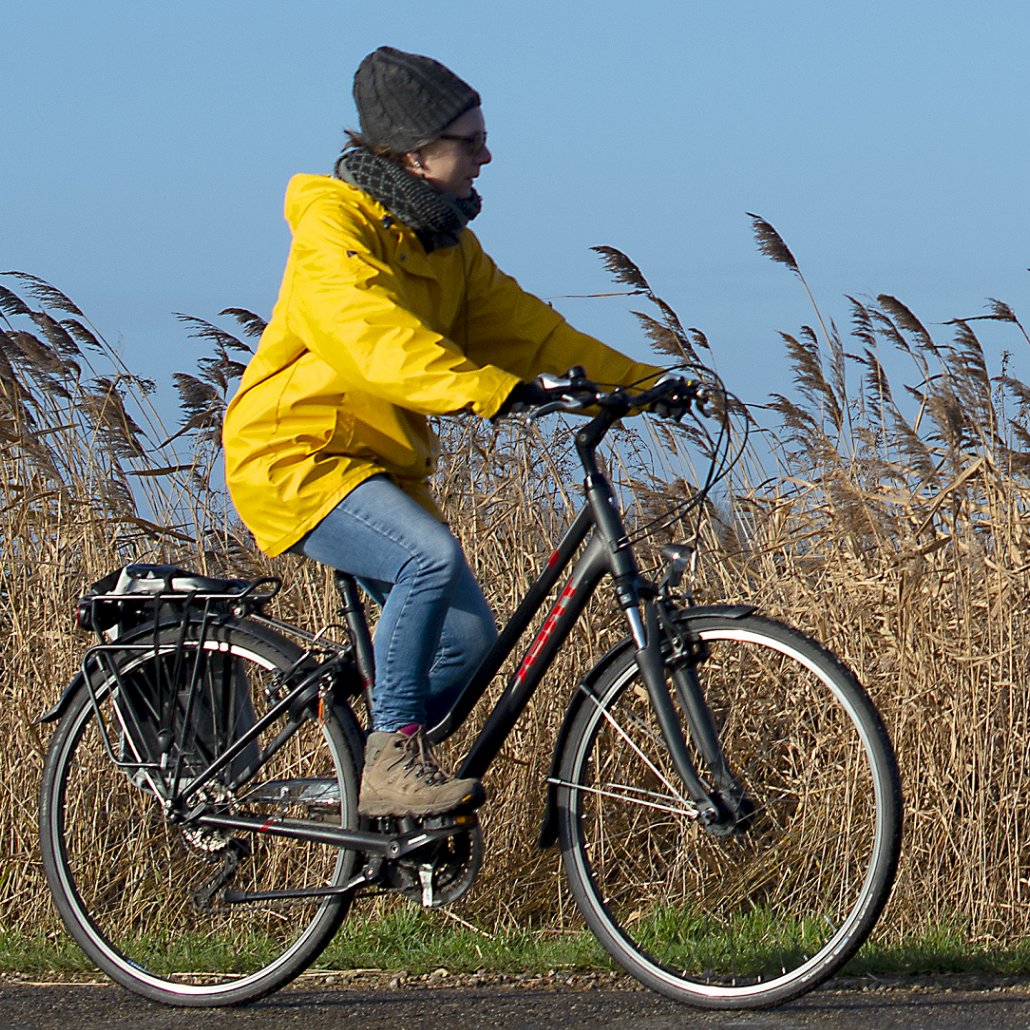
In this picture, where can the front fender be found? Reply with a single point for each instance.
(585, 690)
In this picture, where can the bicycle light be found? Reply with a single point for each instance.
(84, 614)
(95, 616)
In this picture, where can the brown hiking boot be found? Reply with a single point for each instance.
(402, 777)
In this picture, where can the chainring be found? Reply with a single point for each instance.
(440, 873)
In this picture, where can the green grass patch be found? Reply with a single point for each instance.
(411, 940)
(58, 954)
(944, 950)
(36, 954)
(408, 938)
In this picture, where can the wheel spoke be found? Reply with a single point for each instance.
(654, 738)
(634, 796)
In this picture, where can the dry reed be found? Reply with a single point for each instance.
(894, 528)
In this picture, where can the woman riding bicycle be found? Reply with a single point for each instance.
(391, 313)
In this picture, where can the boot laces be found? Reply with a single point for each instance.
(422, 761)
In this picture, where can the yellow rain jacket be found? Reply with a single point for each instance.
(371, 336)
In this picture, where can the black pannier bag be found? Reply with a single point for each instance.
(179, 708)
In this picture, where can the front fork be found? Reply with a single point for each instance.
(723, 808)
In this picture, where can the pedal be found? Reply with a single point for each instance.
(457, 821)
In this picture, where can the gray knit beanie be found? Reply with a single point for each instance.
(406, 100)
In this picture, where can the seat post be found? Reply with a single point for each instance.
(353, 611)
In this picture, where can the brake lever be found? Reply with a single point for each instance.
(696, 397)
(554, 383)
(564, 404)
(564, 401)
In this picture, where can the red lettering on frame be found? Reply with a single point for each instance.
(546, 631)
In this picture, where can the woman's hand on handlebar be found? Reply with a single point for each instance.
(524, 397)
(671, 397)
(548, 393)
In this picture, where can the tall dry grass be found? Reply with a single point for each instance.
(882, 508)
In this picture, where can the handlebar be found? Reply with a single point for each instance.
(671, 397)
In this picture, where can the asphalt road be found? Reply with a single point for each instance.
(314, 1005)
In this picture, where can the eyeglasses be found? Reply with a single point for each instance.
(472, 145)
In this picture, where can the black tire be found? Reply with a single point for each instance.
(123, 876)
(748, 920)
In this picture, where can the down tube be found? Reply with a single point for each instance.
(578, 589)
(520, 621)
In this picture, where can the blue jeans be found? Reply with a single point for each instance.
(435, 625)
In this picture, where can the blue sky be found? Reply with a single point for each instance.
(146, 147)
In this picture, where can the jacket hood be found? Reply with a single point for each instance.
(304, 190)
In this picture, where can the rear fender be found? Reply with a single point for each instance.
(54, 714)
(586, 691)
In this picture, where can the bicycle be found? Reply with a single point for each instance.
(723, 791)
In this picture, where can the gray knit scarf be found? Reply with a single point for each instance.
(437, 218)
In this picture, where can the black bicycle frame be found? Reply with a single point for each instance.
(606, 552)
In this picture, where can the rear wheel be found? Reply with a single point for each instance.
(748, 919)
(169, 909)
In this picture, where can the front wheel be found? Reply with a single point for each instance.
(181, 913)
(755, 918)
